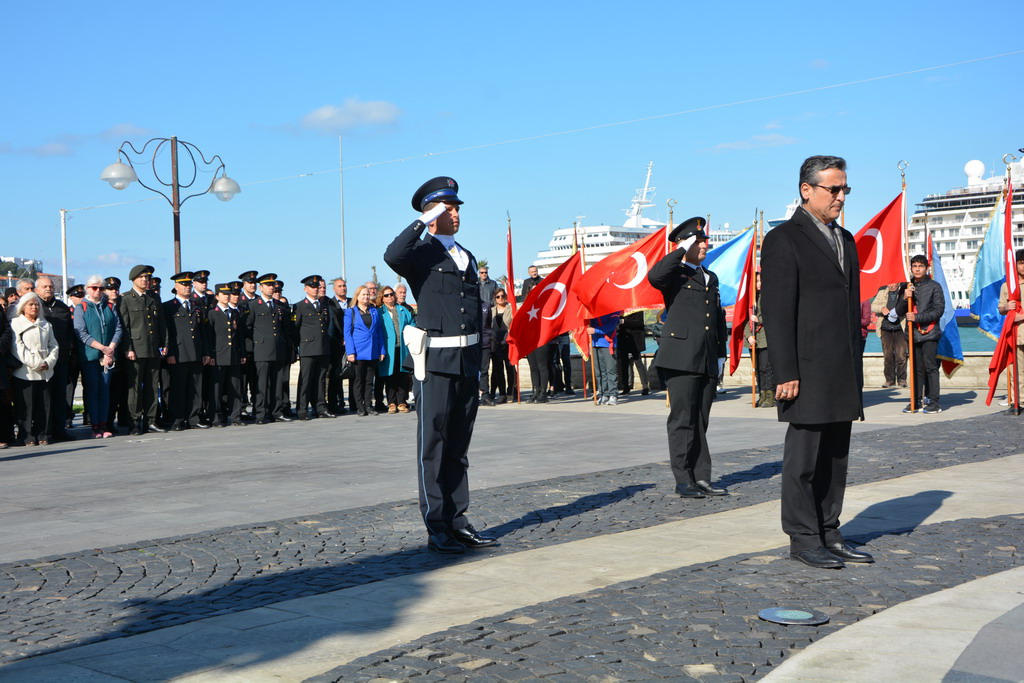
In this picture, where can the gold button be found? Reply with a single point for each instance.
(706, 327)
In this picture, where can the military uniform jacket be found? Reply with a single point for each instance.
(243, 309)
(226, 333)
(448, 298)
(812, 305)
(313, 326)
(694, 336)
(268, 329)
(186, 338)
(143, 321)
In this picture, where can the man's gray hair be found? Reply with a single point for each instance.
(24, 285)
(41, 278)
(95, 281)
(812, 166)
(339, 279)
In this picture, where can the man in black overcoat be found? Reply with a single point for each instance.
(313, 319)
(811, 296)
(268, 330)
(692, 342)
(187, 353)
(443, 278)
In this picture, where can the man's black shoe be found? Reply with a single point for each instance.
(444, 543)
(485, 400)
(239, 423)
(819, 558)
(199, 425)
(302, 416)
(284, 418)
(177, 428)
(844, 551)
(710, 490)
(689, 491)
(157, 429)
(220, 424)
(135, 431)
(471, 539)
(645, 391)
(326, 413)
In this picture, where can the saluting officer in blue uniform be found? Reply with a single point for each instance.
(443, 277)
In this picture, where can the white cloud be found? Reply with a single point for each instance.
(332, 119)
(755, 142)
(123, 131)
(773, 125)
(116, 258)
(66, 144)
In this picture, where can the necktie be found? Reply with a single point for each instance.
(835, 240)
(316, 306)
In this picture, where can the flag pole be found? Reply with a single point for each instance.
(582, 245)
(758, 226)
(511, 294)
(911, 378)
(1011, 271)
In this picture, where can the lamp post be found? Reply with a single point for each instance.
(120, 175)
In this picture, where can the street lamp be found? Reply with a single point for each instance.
(120, 175)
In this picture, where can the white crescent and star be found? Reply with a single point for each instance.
(879, 248)
(641, 272)
(560, 288)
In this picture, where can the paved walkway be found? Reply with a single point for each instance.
(596, 536)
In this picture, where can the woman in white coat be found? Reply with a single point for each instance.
(36, 349)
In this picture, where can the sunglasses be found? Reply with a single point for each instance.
(835, 189)
(388, 294)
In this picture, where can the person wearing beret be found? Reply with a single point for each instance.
(226, 334)
(692, 342)
(145, 342)
(187, 353)
(269, 333)
(811, 299)
(443, 277)
(313, 319)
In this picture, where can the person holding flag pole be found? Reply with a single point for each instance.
(1008, 353)
(690, 354)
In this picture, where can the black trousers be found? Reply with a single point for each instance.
(561, 366)
(396, 387)
(335, 384)
(227, 387)
(814, 465)
(58, 397)
(446, 407)
(185, 399)
(32, 408)
(503, 373)
(312, 384)
(926, 371)
(765, 376)
(485, 371)
(267, 399)
(690, 396)
(894, 356)
(143, 375)
(119, 394)
(210, 398)
(284, 390)
(540, 362)
(365, 373)
(625, 364)
(250, 382)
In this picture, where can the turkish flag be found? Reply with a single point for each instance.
(881, 249)
(550, 309)
(618, 282)
(744, 305)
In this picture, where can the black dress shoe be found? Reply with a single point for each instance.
(302, 416)
(199, 425)
(239, 423)
(444, 543)
(156, 429)
(689, 491)
(710, 490)
(819, 558)
(844, 551)
(326, 413)
(177, 428)
(220, 424)
(486, 400)
(470, 538)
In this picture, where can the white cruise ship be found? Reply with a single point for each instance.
(958, 219)
(601, 240)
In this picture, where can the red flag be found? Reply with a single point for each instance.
(550, 309)
(618, 282)
(508, 266)
(1005, 354)
(881, 249)
(744, 304)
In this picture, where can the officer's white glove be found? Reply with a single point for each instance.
(721, 364)
(687, 243)
(429, 217)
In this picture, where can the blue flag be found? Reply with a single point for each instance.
(950, 352)
(989, 276)
(727, 262)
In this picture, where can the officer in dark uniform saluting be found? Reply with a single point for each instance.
(443, 278)
(226, 333)
(692, 342)
(269, 333)
(312, 324)
(145, 346)
(187, 353)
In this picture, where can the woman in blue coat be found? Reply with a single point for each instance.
(364, 346)
(392, 377)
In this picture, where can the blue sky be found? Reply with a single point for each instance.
(269, 88)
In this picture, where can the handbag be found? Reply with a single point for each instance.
(348, 369)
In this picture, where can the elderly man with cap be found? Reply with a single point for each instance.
(226, 334)
(313, 319)
(187, 353)
(145, 342)
(443, 278)
(269, 333)
(692, 348)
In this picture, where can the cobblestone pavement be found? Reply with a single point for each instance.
(699, 623)
(58, 602)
